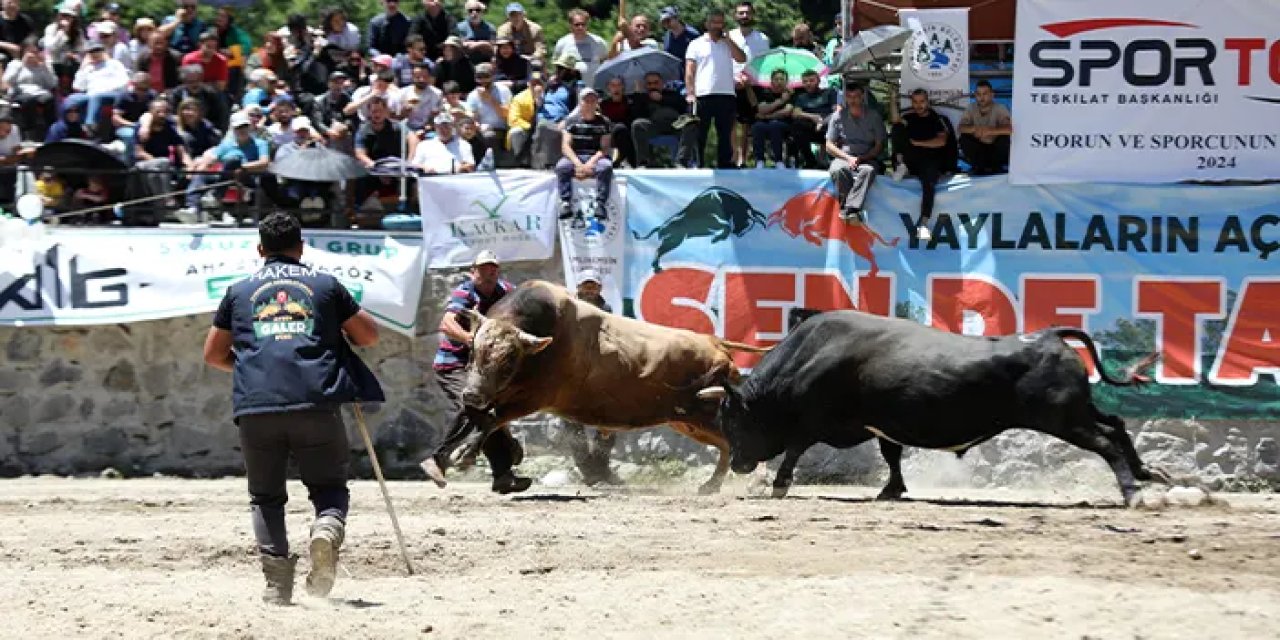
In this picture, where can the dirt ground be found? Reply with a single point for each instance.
(173, 558)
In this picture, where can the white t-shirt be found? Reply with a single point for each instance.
(393, 100)
(713, 70)
(753, 45)
(590, 51)
(10, 143)
(485, 113)
(444, 158)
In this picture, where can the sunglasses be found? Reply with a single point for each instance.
(579, 24)
(474, 11)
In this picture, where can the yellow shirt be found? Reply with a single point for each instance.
(520, 113)
(50, 190)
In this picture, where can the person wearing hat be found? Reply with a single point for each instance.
(484, 288)
(387, 30)
(15, 28)
(100, 79)
(676, 35)
(109, 35)
(64, 40)
(586, 148)
(243, 157)
(434, 24)
(591, 450)
(456, 66)
(524, 34)
(445, 153)
(328, 117)
(490, 103)
(477, 33)
(213, 65)
(290, 317)
(558, 101)
(510, 69)
(304, 194)
(587, 47)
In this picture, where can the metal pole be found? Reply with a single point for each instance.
(382, 484)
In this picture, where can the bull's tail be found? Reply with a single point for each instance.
(647, 235)
(738, 346)
(1133, 376)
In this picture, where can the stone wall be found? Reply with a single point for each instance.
(138, 398)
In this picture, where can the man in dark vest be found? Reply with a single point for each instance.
(482, 290)
(285, 334)
(591, 451)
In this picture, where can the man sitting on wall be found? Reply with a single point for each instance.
(985, 129)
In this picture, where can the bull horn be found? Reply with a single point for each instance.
(712, 393)
(533, 343)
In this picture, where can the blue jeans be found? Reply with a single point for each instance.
(775, 131)
(603, 175)
(129, 136)
(91, 104)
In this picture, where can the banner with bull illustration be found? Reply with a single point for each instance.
(1146, 91)
(1191, 272)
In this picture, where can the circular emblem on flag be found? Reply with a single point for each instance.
(587, 230)
(937, 52)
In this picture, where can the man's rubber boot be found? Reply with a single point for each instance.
(511, 483)
(327, 534)
(278, 571)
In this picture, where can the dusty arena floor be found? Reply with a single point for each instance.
(172, 558)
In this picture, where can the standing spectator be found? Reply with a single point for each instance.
(234, 45)
(414, 55)
(489, 102)
(446, 152)
(558, 100)
(129, 109)
(193, 87)
(108, 35)
(15, 28)
(855, 139)
(587, 47)
(101, 79)
(591, 453)
(677, 34)
(454, 65)
(338, 31)
(985, 129)
(421, 100)
(773, 120)
(523, 33)
(521, 116)
(328, 116)
(656, 113)
(631, 35)
(435, 25)
(813, 105)
(213, 65)
(184, 27)
(802, 38)
(381, 88)
(586, 149)
(616, 106)
(388, 30)
(477, 33)
(64, 42)
(140, 44)
(11, 153)
(834, 45)
(753, 43)
(709, 85)
(378, 139)
(918, 141)
(161, 63)
(509, 67)
(29, 82)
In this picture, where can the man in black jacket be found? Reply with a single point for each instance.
(388, 30)
(656, 113)
(327, 116)
(434, 24)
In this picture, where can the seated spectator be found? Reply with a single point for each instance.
(616, 107)
(159, 140)
(415, 54)
(521, 115)
(381, 62)
(455, 66)
(299, 40)
(280, 117)
(243, 158)
(64, 41)
(338, 31)
(656, 113)
(305, 194)
(587, 47)
(489, 102)
(52, 191)
(558, 100)
(16, 28)
(676, 35)
(234, 45)
(212, 63)
(160, 62)
(184, 27)
(70, 126)
(773, 120)
(129, 109)
(271, 56)
(444, 153)
(109, 17)
(855, 138)
(29, 82)
(377, 139)
(198, 134)
(261, 90)
(193, 87)
(419, 102)
(328, 117)
(101, 79)
(509, 67)
(93, 194)
(454, 100)
(524, 34)
(633, 34)
(108, 35)
(388, 30)
(477, 33)
(470, 132)
(918, 141)
(382, 87)
(985, 129)
(140, 42)
(802, 38)
(11, 153)
(812, 105)
(586, 149)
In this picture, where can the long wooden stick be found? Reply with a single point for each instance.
(382, 483)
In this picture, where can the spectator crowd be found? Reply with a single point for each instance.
(439, 93)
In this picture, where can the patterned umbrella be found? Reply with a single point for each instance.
(794, 61)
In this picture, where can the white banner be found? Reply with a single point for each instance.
(1146, 91)
(591, 243)
(85, 277)
(511, 213)
(936, 58)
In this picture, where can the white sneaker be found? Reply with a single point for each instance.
(780, 165)
(759, 164)
(229, 219)
(311, 203)
(899, 172)
(922, 232)
(208, 200)
(187, 215)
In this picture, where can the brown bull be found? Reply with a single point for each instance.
(540, 349)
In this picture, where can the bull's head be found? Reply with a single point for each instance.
(498, 349)
(751, 441)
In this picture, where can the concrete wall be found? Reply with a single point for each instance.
(138, 398)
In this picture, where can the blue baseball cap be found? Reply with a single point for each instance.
(515, 7)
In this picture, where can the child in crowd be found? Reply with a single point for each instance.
(51, 189)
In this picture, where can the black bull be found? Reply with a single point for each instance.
(715, 212)
(845, 377)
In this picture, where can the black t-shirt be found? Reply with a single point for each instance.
(925, 127)
(290, 352)
(587, 134)
(159, 142)
(378, 144)
(131, 106)
(16, 30)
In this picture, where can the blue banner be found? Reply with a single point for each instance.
(1191, 272)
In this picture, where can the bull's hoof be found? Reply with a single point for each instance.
(709, 488)
(888, 494)
(780, 492)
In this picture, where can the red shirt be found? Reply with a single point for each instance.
(157, 71)
(215, 69)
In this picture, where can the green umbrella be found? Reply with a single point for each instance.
(794, 61)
